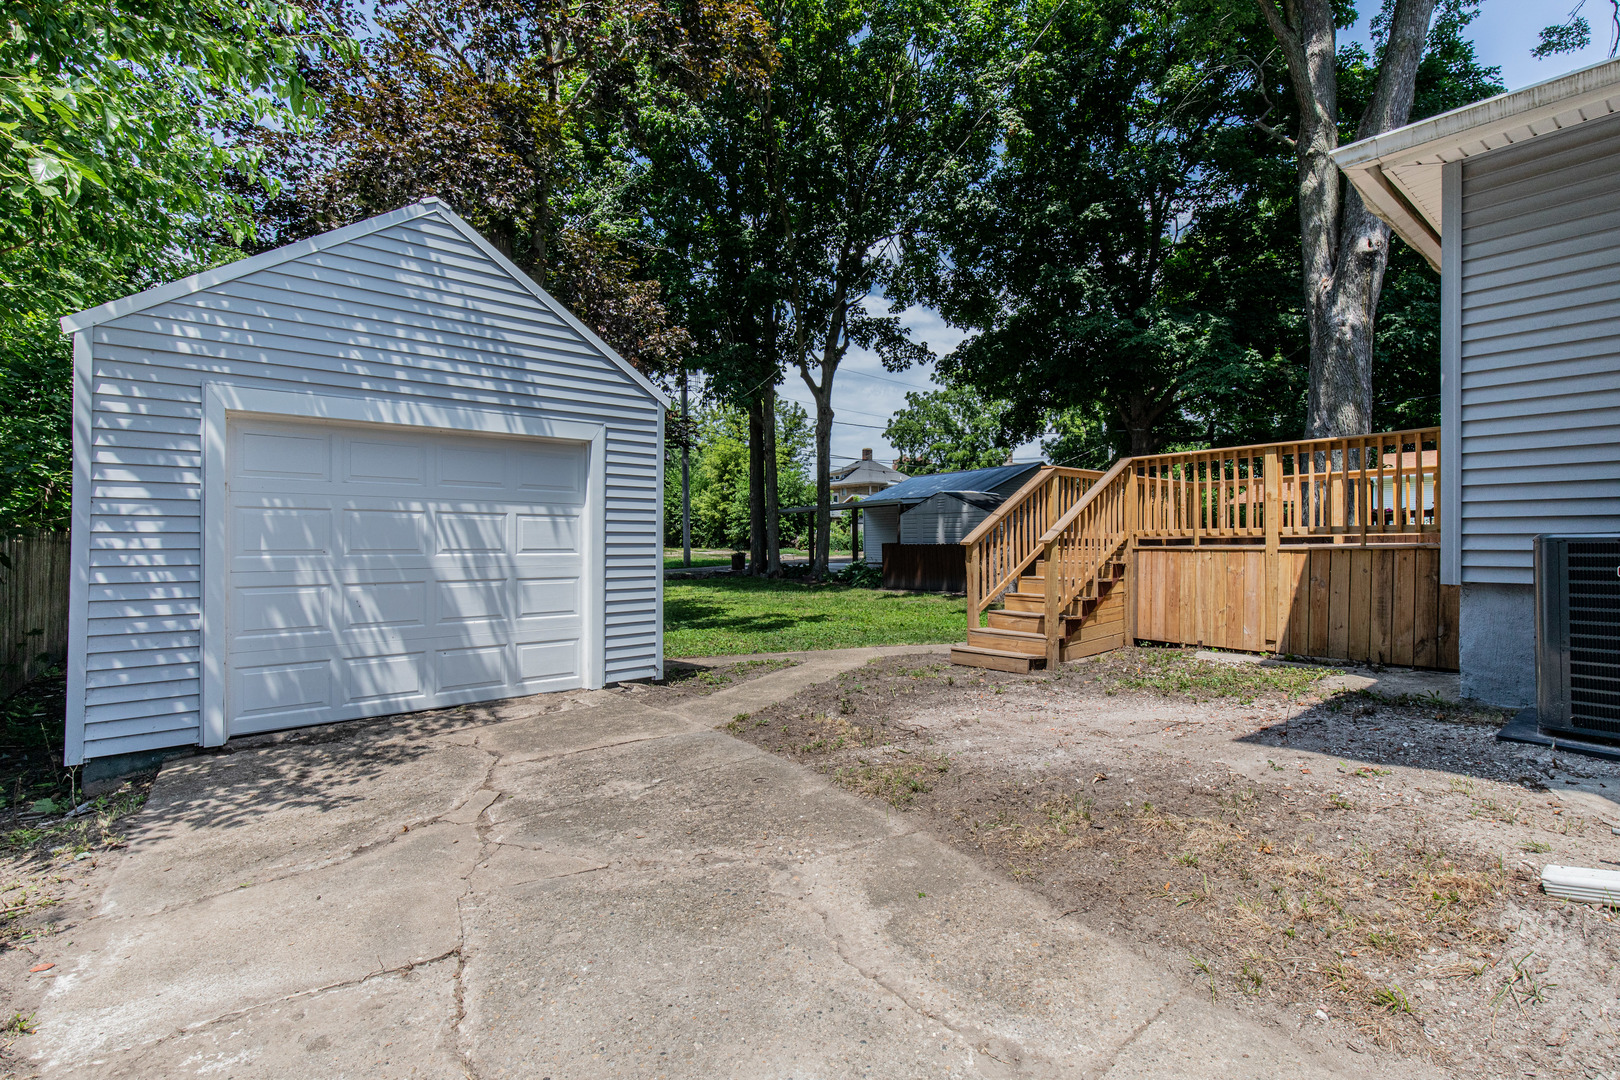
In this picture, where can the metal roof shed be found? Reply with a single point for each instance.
(376, 471)
(1513, 198)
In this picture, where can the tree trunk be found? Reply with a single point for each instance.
(773, 516)
(756, 489)
(1345, 248)
(823, 526)
(686, 480)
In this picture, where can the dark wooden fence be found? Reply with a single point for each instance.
(924, 567)
(33, 606)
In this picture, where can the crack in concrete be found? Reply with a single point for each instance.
(1107, 1066)
(981, 1041)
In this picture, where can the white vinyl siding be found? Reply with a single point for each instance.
(882, 526)
(1539, 362)
(414, 311)
(940, 519)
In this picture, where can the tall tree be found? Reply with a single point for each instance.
(1345, 247)
(948, 430)
(877, 108)
(1080, 261)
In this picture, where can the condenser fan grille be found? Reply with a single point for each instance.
(1593, 584)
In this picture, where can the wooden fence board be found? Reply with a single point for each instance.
(33, 606)
(1381, 603)
(1339, 604)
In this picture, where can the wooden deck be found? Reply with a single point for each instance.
(1326, 548)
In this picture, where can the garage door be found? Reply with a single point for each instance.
(380, 569)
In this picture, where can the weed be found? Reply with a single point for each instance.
(19, 1025)
(1187, 858)
(1523, 986)
(1203, 968)
(1249, 978)
(1339, 802)
(1392, 998)
(897, 783)
(1174, 674)
(1534, 845)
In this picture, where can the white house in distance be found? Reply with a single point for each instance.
(1516, 200)
(377, 471)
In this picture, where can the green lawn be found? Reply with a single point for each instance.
(731, 616)
(675, 563)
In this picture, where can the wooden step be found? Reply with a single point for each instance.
(1033, 622)
(1016, 641)
(1080, 648)
(995, 659)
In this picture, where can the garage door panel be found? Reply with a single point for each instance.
(392, 462)
(460, 532)
(385, 532)
(283, 530)
(397, 604)
(482, 667)
(281, 695)
(372, 678)
(545, 533)
(284, 454)
(275, 611)
(473, 600)
(474, 469)
(547, 661)
(547, 596)
(378, 569)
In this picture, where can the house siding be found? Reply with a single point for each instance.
(412, 312)
(939, 519)
(1538, 359)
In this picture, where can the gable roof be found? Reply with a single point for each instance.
(208, 279)
(983, 500)
(1398, 172)
(918, 488)
(867, 471)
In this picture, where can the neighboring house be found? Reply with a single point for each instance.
(865, 477)
(1516, 201)
(377, 471)
(925, 512)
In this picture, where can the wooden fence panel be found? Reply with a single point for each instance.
(924, 567)
(33, 606)
(1383, 604)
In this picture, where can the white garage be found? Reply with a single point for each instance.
(375, 472)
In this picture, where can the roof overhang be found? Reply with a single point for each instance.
(1398, 173)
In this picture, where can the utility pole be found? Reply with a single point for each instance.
(686, 479)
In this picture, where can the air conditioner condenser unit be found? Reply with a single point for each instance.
(1578, 635)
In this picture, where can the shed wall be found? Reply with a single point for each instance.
(1539, 345)
(939, 519)
(882, 526)
(415, 311)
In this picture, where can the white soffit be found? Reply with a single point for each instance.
(1398, 172)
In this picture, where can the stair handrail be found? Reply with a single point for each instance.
(1004, 544)
(1080, 544)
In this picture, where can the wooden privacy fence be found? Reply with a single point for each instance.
(33, 605)
(923, 567)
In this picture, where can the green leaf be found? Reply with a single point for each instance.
(44, 169)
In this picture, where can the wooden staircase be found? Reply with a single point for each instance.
(1016, 638)
(1069, 519)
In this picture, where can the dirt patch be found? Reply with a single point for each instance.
(683, 679)
(1363, 869)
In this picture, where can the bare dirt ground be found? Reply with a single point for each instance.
(1362, 869)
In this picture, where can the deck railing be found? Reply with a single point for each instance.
(1366, 488)
(1080, 544)
(1005, 544)
(1361, 490)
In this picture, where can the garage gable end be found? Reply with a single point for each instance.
(410, 323)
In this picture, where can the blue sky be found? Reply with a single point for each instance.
(865, 396)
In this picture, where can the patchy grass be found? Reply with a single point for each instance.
(895, 782)
(697, 563)
(704, 680)
(1174, 673)
(730, 616)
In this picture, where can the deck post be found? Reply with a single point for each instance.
(972, 554)
(1053, 623)
(1273, 515)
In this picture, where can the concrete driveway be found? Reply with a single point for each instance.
(589, 885)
